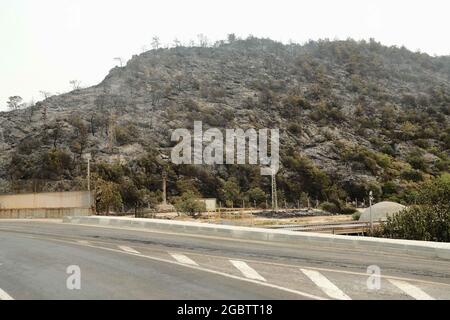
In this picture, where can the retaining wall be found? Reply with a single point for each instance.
(76, 199)
(52, 213)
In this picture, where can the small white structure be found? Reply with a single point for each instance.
(381, 211)
(210, 204)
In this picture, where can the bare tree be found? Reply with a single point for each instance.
(231, 38)
(45, 94)
(156, 92)
(31, 108)
(130, 83)
(176, 43)
(76, 84)
(44, 114)
(81, 133)
(156, 43)
(15, 103)
(120, 60)
(202, 40)
(179, 78)
(56, 132)
(31, 103)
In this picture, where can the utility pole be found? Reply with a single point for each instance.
(370, 210)
(88, 157)
(274, 193)
(164, 184)
(89, 174)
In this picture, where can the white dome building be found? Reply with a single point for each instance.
(381, 211)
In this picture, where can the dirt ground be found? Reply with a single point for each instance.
(246, 219)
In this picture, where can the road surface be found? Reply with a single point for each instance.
(35, 257)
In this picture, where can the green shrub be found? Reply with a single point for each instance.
(330, 207)
(427, 221)
(256, 195)
(108, 196)
(348, 210)
(388, 149)
(295, 128)
(188, 204)
(126, 134)
(417, 162)
(389, 188)
(356, 216)
(412, 175)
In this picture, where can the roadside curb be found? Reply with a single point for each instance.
(387, 246)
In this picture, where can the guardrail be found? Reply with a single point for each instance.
(346, 227)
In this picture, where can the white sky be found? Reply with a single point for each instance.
(44, 44)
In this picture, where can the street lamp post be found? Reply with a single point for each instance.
(89, 174)
(164, 176)
(370, 210)
(88, 157)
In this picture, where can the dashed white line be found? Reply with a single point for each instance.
(128, 249)
(5, 296)
(181, 258)
(247, 271)
(83, 242)
(198, 268)
(325, 285)
(411, 290)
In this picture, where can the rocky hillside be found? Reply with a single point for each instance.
(353, 116)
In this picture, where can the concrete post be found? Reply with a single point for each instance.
(164, 184)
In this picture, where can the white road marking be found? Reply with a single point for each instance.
(83, 242)
(128, 249)
(411, 290)
(325, 285)
(181, 258)
(198, 268)
(5, 296)
(323, 269)
(247, 271)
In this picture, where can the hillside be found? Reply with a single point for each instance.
(353, 116)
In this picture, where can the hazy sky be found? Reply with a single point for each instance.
(44, 44)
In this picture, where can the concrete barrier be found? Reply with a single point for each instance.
(48, 205)
(44, 213)
(48, 200)
(409, 247)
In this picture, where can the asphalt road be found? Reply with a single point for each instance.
(35, 258)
